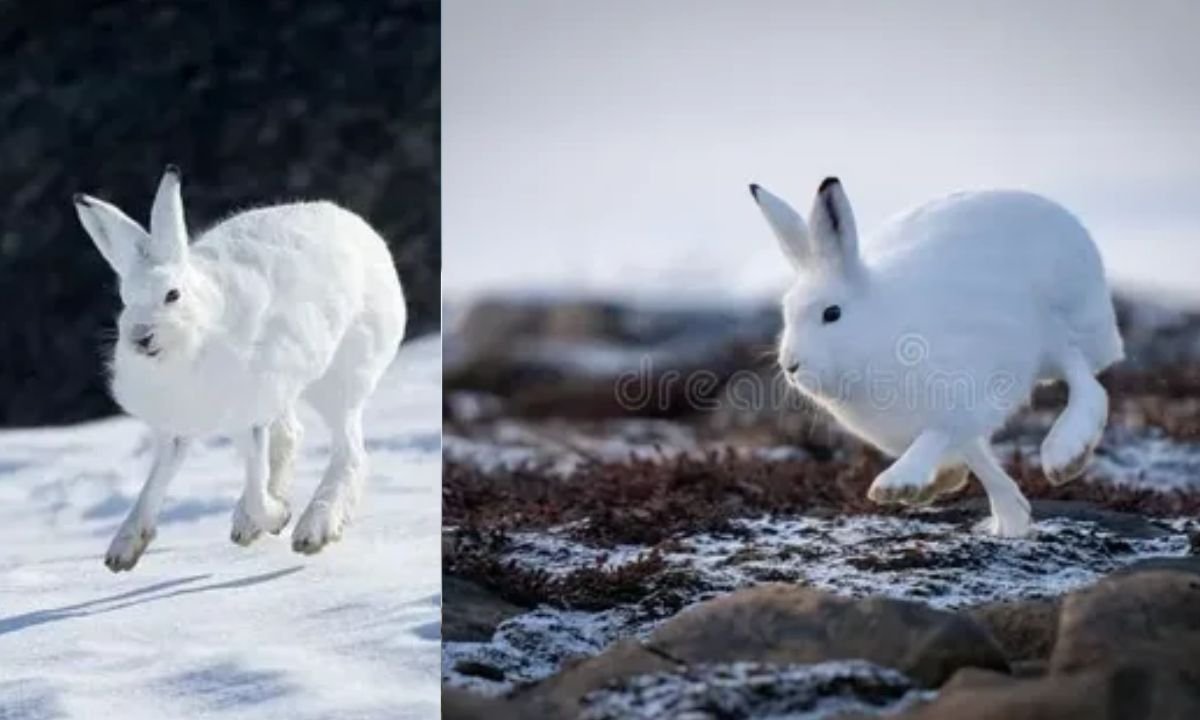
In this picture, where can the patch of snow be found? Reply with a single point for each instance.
(1148, 460)
(201, 627)
(531, 647)
(913, 559)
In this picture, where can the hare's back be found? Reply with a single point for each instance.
(1024, 239)
(294, 278)
(1008, 252)
(320, 231)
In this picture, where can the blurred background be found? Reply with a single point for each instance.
(606, 147)
(257, 102)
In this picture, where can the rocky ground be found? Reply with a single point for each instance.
(639, 522)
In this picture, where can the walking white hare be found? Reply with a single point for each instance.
(924, 341)
(227, 334)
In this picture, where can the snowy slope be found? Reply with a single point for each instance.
(203, 628)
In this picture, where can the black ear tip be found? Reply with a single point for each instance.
(754, 191)
(173, 169)
(81, 199)
(828, 183)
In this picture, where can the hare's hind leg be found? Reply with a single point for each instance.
(337, 495)
(138, 529)
(1069, 445)
(1010, 509)
(339, 398)
(258, 510)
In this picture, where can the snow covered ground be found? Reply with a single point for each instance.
(203, 628)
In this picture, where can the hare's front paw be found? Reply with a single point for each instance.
(247, 526)
(128, 545)
(899, 485)
(320, 525)
(946, 481)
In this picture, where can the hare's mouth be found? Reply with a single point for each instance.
(147, 350)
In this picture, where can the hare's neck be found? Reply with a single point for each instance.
(211, 304)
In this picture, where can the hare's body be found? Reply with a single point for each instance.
(227, 335)
(298, 282)
(971, 268)
(927, 339)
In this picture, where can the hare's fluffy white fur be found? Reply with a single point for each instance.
(924, 341)
(226, 334)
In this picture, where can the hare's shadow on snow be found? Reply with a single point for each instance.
(150, 593)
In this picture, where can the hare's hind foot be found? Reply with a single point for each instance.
(1068, 447)
(1010, 524)
(249, 525)
(321, 524)
(1011, 516)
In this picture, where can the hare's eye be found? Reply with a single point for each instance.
(172, 296)
(831, 314)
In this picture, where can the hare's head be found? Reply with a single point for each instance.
(166, 307)
(829, 311)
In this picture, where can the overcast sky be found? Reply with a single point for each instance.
(606, 146)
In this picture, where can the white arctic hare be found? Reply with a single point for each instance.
(924, 341)
(226, 334)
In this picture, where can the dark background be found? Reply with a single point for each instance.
(257, 102)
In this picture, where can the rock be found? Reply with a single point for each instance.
(1124, 524)
(1148, 616)
(1024, 629)
(1030, 668)
(560, 695)
(1172, 564)
(463, 705)
(470, 612)
(581, 358)
(1124, 692)
(778, 623)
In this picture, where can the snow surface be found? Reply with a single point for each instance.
(202, 628)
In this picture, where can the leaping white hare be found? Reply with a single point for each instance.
(927, 339)
(227, 334)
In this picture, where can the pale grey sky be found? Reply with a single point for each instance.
(606, 146)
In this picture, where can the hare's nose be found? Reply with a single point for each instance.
(792, 368)
(141, 335)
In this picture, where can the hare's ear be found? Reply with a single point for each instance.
(121, 241)
(168, 231)
(834, 234)
(787, 224)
